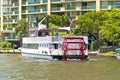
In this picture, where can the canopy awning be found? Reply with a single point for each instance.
(117, 49)
(54, 29)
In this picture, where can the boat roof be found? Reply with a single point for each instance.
(54, 29)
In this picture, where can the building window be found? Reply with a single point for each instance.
(104, 5)
(110, 3)
(77, 3)
(30, 46)
(84, 3)
(118, 4)
(78, 13)
(93, 5)
(68, 13)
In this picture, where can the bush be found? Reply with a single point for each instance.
(110, 52)
(5, 45)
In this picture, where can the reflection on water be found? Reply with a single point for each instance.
(16, 67)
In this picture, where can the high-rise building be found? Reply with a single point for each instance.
(13, 10)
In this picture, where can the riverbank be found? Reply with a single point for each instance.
(15, 51)
(100, 54)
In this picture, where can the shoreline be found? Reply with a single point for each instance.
(16, 51)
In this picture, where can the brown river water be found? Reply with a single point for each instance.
(16, 67)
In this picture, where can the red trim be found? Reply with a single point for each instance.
(71, 40)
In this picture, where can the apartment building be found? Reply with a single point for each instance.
(13, 10)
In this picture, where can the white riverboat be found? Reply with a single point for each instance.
(51, 47)
(40, 44)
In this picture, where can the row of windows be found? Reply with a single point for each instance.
(35, 46)
(30, 46)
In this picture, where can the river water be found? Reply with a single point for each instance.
(16, 67)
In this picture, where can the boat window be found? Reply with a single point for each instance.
(60, 45)
(47, 45)
(43, 45)
(54, 46)
(40, 45)
(30, 46)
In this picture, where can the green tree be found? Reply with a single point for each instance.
(110, 30)
(64, 21)
(22, 26)
(90, 23)
(57, 20)
(5, 45)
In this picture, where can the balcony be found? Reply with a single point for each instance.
(7, 13)
(6, 21)
(55, 0)
(69, 0)
(104, 7)
(15, 20)
(34, 2)
(70, 8)
(8, 5)
(9, 29)
(9, 21)
(16, 4)
(88, 7)
(23, 3)
(15, 12)
(45, 1)
(55, 9)
(44, 9)
(23, 11)
(117, 6)
(11, 36)
(34, 10)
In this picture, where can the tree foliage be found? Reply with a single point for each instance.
(22, 26)
(57, 20)
(110, 30)
(104, 23)
(5, 45)
(90, 22)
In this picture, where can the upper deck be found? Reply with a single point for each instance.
(50, 39)
(46, 39)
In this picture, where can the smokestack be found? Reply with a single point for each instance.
(37, 21)
(47, 21)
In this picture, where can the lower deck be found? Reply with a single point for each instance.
(58, 57)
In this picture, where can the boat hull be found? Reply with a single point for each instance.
(41, 56)
(52, 57)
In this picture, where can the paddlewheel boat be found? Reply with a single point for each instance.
(40, 44)
(55, 47)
